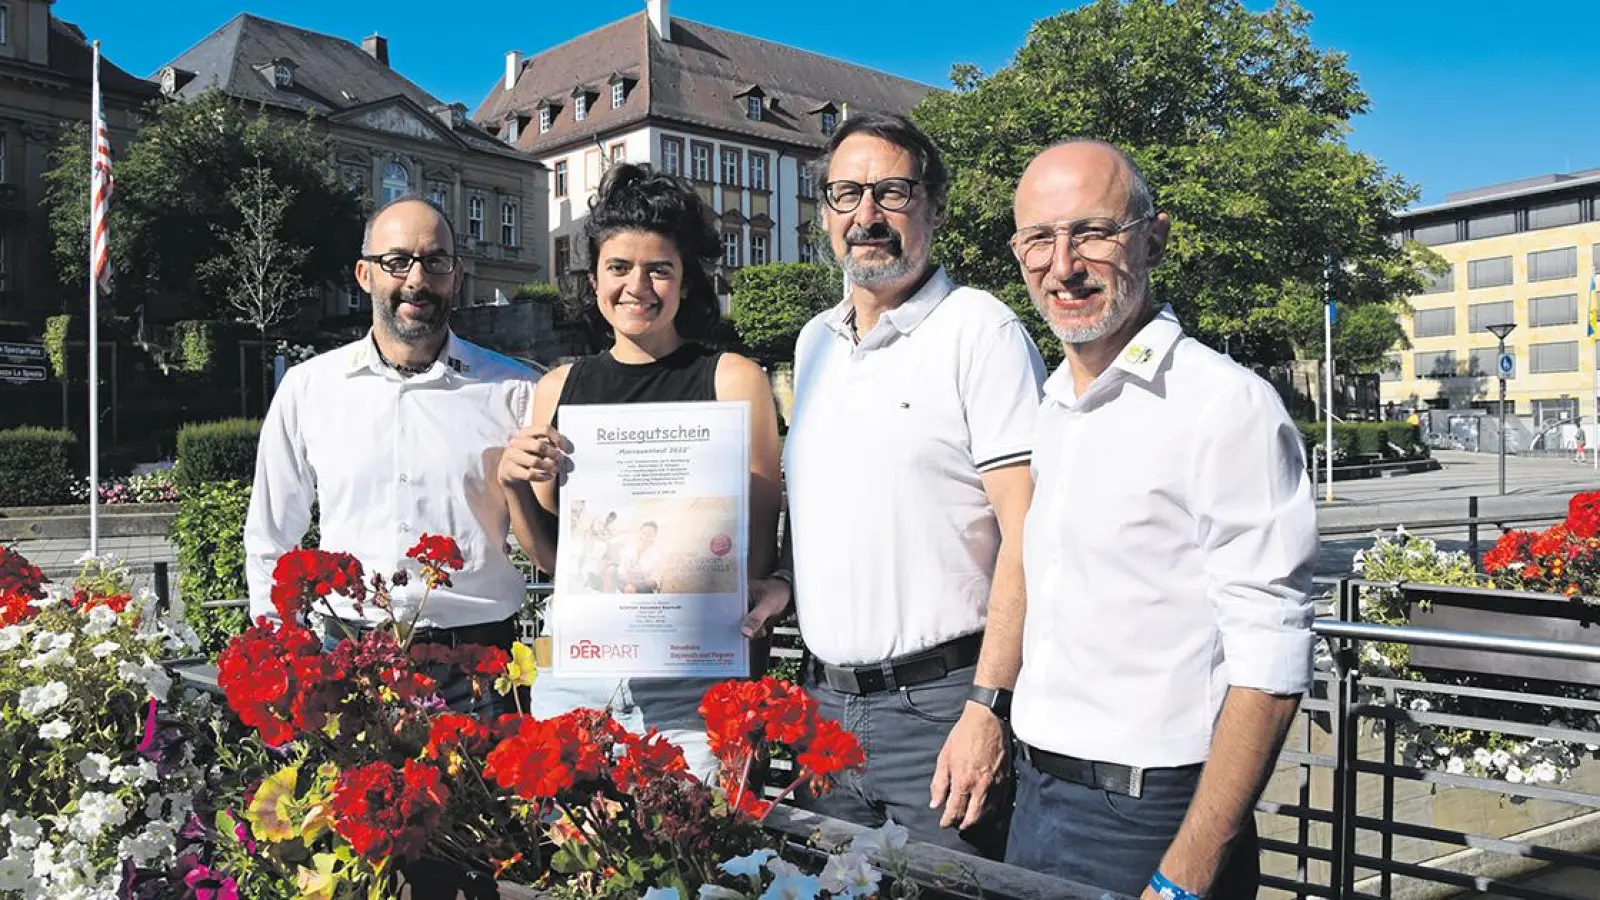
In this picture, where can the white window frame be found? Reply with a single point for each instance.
(758, 171)
(730, 165)
(508, 223)
(475, 208)
(385, 185)
(544, 119)
(562, 175)
(671, 155)
(580, 107)
(732, 249)
(619, 93)
(695, 159)
(758, 250)
(752, 108)
(830, 122)
(807, 252)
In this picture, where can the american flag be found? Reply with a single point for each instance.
(100, 183)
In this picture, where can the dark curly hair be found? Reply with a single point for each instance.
(636, 197)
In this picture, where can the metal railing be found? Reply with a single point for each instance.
(1365, 821)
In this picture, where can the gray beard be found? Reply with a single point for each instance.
(1125, 307)
(877, 275)
(414, 331)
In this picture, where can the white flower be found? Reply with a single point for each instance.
(53, 595)
(782, 868)
(1482, 757)
(96, 812)
(25, 831)
(104, 648)
(1544, 772)
(101, 620)
(16, 871)
(12, 636)
(1500, 759)
(36, 701)
(55, 730)
(95, 767)
(668, 893)
(747, 866)
(156, 842)
(152, 677)
(850, 873)
(1514, 775)
(792, 887)
(718, 892)
(886, 838)
(1456, 766)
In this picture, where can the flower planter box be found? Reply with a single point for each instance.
(1543, 616)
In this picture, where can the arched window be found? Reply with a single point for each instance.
(396, 181)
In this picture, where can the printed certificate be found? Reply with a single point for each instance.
(650, 568)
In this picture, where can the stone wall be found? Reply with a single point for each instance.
(524, 329)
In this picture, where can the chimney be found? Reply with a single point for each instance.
(377, 47)
(513, 67)
(660, 15)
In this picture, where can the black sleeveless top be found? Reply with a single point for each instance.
(687, 374)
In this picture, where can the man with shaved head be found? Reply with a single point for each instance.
(394, 436)
(1167, 635)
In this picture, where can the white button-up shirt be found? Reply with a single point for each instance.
(894, 538)
(1168, 552)
(388, 459)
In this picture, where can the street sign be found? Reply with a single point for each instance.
(1508, 365)
(22, 353)
(12, 374)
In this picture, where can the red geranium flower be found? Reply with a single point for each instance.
(1583, 514)
(18, 576)
(1511, 548)
(454, 730)
(301, 576)
(383, 812)
(530, 762)
(831, 751)
(648, 758)
(15, 607)
(277, 681)
(436, 553)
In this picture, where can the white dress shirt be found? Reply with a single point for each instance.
(389, 459)
(1168, 552)
(894, 538)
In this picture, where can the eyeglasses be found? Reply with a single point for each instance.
(891, 194)
(398, 263)
(1094, 239)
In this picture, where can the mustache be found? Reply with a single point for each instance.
(1079, 281)
(877, 231)
(416, 297)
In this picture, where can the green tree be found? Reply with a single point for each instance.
(1239, 124)
(173, 213)
(772, 303)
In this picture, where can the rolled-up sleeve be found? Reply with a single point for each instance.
(281, 498)
(1258, 531)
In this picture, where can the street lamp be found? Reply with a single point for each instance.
(1500, 331)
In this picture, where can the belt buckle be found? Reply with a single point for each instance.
(1135, 782)
(841, 679)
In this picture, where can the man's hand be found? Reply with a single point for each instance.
(770, 599)
(534, 454)
(970, 765)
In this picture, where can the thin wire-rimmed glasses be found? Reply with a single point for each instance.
(892, 194)
(398, 263)
(1093, 239)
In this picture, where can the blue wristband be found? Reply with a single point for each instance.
(1167, 890)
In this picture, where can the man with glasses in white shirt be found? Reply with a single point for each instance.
(1167, 638)
(394, 436)
(906, 463)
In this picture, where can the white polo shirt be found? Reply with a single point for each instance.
(1168, 552)
(389, 459)
(894, 537)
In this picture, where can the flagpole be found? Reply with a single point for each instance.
(1327, 343)
(94, 320)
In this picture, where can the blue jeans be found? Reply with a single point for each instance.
(1112, 841)
(902, 732)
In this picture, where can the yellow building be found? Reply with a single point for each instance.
(1522, 253)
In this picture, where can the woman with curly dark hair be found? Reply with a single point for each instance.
(650, 238)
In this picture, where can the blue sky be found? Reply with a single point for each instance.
(1463, 93)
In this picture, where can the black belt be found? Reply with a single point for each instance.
(1113, 777)
(500, 634)
(902, 671)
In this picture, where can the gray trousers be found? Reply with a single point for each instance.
(1111, 841)
(902, 732)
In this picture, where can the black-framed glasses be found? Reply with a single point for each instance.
(398, 263)
(1093, 239)
(891, 194)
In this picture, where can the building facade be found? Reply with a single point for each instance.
(1525, 254)
(738, 116)
(45, 71)
(390, 138)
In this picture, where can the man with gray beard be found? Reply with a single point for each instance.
(1168, 630)
(394, 436)
(907, 467)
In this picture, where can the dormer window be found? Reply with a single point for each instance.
(282, 76)
(544, 119)
(619, 93)
(752, 108)
(580, 107)
(830, 121)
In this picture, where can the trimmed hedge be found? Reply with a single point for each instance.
(217, 451)
(36, 466)
(1390, 440)
(209, 532)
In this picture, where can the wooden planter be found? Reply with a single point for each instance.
(1544, 616)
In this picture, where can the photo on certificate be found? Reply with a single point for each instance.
(650, 569)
